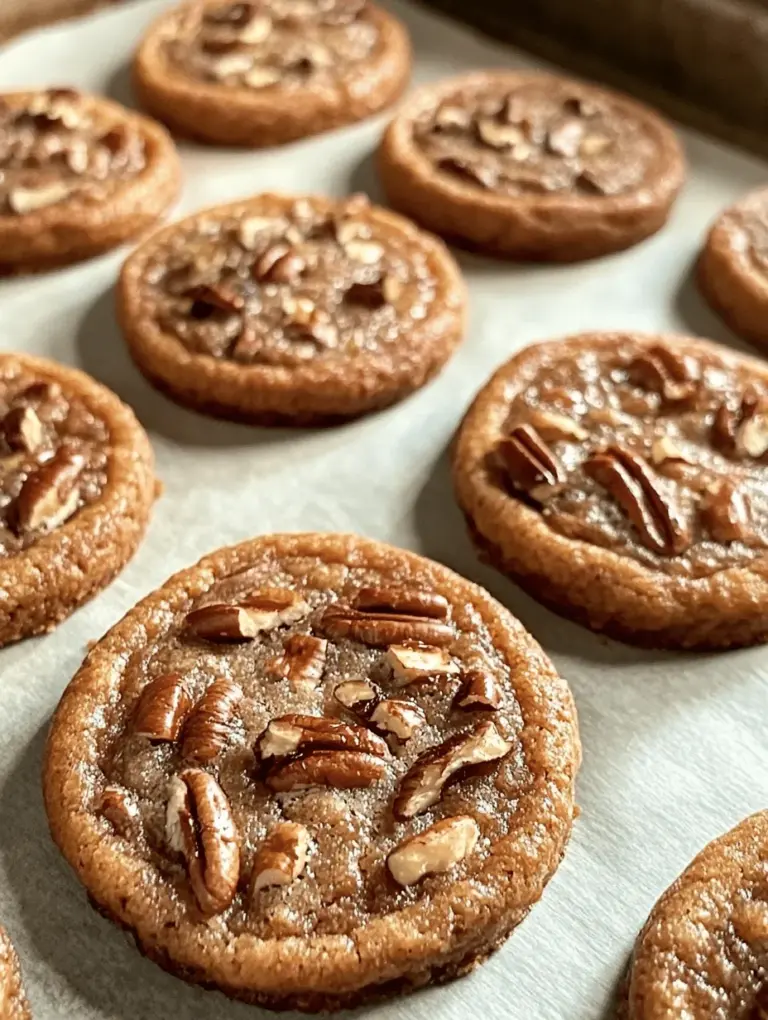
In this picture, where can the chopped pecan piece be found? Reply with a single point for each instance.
(435, 850)
(410, 664)
(725, 514)
(402, 601)
(382, 629)
(251, 229)
(451, 119)
(423, 784)
(660, 370)
(28, 200)
(401, 719)
(207, 298)
(306, 322)
(565, 138)
(466, 170)
(162, 708)
(282, 856)
(343, 770)
(209, 726)
(120, 810)
(553, 427)
(23, 429)
(279, 264)
(594, 145)
(50, 495)
(297, 734)
(357, 695)
(302, 660)
(367, 253)
(742, 432)
(528, 460)
(479, 692)
(199, 824)
(630, 481)
(499, 135)
(245, 620)
(665, 449)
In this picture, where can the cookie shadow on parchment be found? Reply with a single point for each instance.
(698, 319)
(93, 962)
(103, 354)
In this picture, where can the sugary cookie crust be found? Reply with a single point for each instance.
(13, 1002)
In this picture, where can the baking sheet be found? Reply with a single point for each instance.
(675, 747)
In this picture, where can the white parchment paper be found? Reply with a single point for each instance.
(675, 747)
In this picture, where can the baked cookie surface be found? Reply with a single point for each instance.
(76, 489)
(733, 267)
(531, 166)
(301, 310)
(256, 75)
(313, 770)
(702, 953)
(13, 1002)
(79, 174)
(622, 480)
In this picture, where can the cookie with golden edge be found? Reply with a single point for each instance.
(13, 1002)
(328, 771)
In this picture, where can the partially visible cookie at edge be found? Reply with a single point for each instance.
(300, 310)
(528, 165)
(622, 479)
(13, 1002)
(733, 267)
(243, 73)
(76, 489)
(79, 174)
(702, 951)
(328, 771)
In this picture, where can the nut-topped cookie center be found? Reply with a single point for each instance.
(647, 449)
(291, 43)
(313, 744)
(538, 138)
(53, 459)
(58, 145)
(290, 282)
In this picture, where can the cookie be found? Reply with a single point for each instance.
(13, 1002)
(702, 951)
(733, 267)
(78, 175)
(329, 770)
(255, 75)
(76, 489)
(622, 480)
(527, 165)
(301, 311)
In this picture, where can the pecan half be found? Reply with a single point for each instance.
(207, 298)
(479, 692)
(23, 429)
(658, 369)
(528, 460)
(292, 734)
(401, 719)
(725, 514)
(410, 664)
(742, 432)
(381, 629)
(209, 726)
(282, 856)
(408, 602)
(423, 784)
(357, 695)
(243, 621)
(466, 170)
(302, 660)
(161, 709)
(629, 480)
(435, 850)
(279, 264)
(199, 824)
(50, 495)
(343, 770)
(120, 810)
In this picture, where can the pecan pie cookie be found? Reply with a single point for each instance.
(13, 1003)
(733, 267)
(260, 74)
(703, 953)
(76, 489)
(623, 480)
(78, 175)
(313, 770)
(531, 166)
(296, 310)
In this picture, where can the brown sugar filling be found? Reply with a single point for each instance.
(539, 138)
(653, 454)
(53, 459)
(294, 701)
